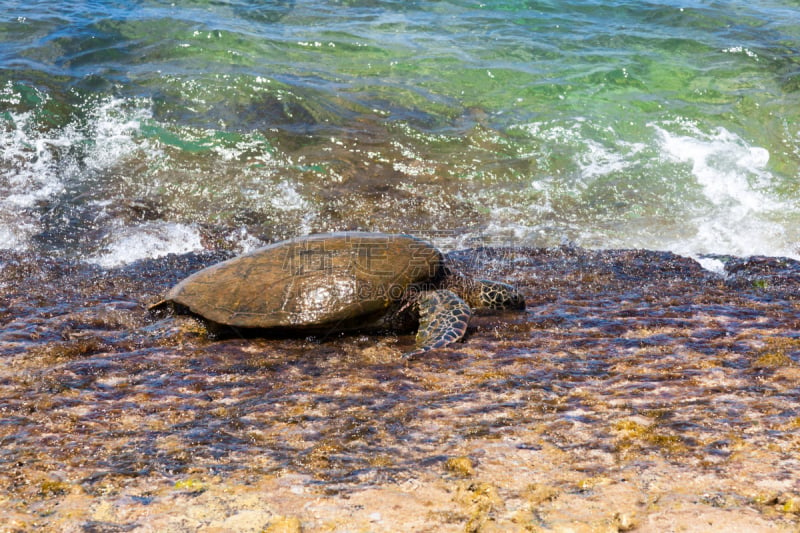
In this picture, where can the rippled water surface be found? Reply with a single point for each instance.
(135, 129)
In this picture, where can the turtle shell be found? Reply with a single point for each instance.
(326, 280)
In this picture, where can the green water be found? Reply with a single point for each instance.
(609, 124)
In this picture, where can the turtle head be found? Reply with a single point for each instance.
(496, 295)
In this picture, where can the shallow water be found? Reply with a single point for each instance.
(623, 360)
(135, 129)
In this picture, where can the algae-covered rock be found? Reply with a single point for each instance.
(776, 352)
(460, 466)
(284, 524)
(638, 392)
(191, 485)
(789, 503)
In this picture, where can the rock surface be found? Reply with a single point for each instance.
(637, 392)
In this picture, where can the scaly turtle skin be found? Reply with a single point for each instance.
(342, 282)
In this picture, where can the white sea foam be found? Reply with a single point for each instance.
(712, 265)
(37, 164)
(730, 171)
(285, 197)
(244, 241)
(28, 174)
(741, 50)
(150, 240)
(9, 239)
(741, 216)
(592, 158)
(737, 210)
(14, 235)
(598, 160)
(28, 162)
(113, 127)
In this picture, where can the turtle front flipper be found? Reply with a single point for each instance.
(443, 318)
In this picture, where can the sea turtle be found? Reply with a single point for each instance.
(342, 282)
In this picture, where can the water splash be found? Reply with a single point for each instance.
(45, 167)
(150, 240)
(740, 213)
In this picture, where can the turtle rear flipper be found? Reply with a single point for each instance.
(443, 318)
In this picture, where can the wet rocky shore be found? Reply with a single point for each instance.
(638, 392)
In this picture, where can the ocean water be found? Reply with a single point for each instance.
(134, 129)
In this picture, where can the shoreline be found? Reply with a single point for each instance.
(637, 392)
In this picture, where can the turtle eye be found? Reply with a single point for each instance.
(515, 300)
(510, 298)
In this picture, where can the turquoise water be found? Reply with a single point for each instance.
(135, 129)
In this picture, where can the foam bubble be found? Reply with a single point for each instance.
(29, 163)
(286, 198)
(592, 158)
(150, 240)
(244, 241)
(741, 50)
